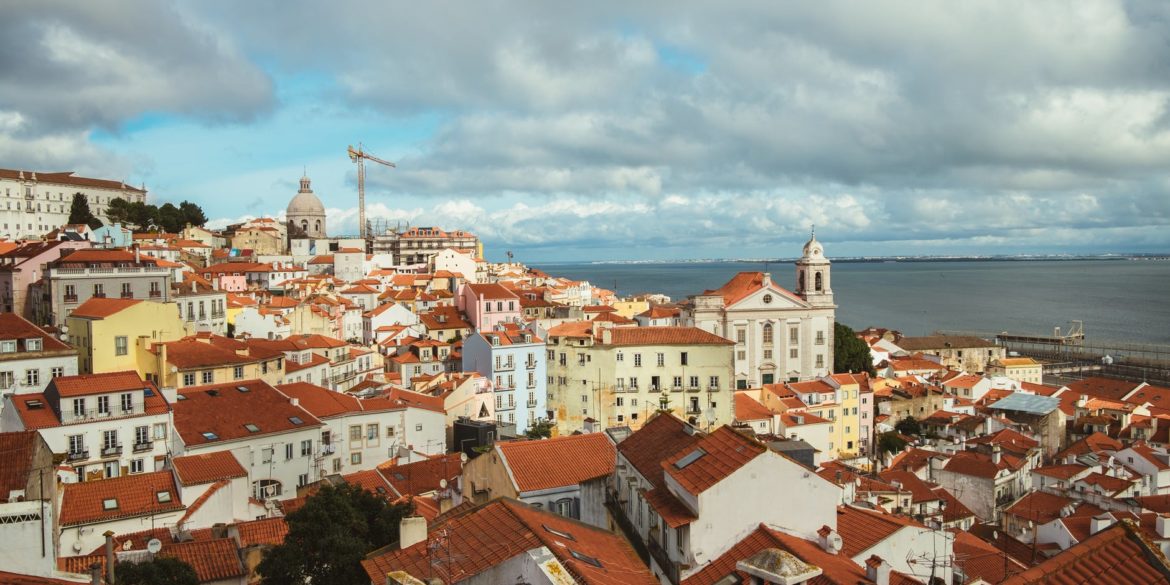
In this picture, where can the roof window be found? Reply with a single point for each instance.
(252, 428)
(243, 389)
(690, 458)
(296, 420)
(556, 532)
(34, 404)
(210, 436)
(163, 496)
(110, 504)
(585, 558)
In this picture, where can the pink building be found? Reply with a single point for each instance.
(487, 305)
(25, 265)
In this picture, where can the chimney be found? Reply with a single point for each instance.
(1103, 521)
(411, 531)
(996, 454)
(109, 534)
(295, 401)
(137, 254)
(830, 541)
(1082, 401)
(95, 574)
(877, 570)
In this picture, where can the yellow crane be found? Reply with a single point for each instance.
(360, 156)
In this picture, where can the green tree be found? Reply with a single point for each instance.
(191, 214)
(170, 219)
(890, 443)
(541, 429)
(118, 211)
(79, 212)
(330, 535)
(850, 353)
(160, 571)
(909, 426)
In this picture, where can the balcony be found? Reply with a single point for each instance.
(81, 455)
(692, 409)
(662, 559)
(506, 407)
(531, 404)
(693, 389)
(676, 388)
(140, 447)
(111, 450)
(712, 388)
(126, 294)
(530, 365)
(70, 298)
(154, 294)
(99, 295)
(75, 416)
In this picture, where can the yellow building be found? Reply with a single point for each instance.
(629, 307)
(114, 335)
(1020, 369)
(263, 240)
(619, 376)
(209, 359)
(835, 398)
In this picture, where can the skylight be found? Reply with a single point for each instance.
(690, 458)
(210, 436)
(559, 533)
(110, 504)
(296, 420)
(163, 497)
(181, 396)
(252, 428)
(243, 389)
(585, 558)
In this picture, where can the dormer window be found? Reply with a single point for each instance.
(8, 346)
(33, 344)
(495, 340)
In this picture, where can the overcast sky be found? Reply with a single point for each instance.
(609, 131)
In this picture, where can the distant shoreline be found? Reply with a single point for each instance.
(877, 259)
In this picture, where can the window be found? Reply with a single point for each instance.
(820, 338)
(792, 353)
(303, 480)
(238, 372)
(661, 359)
(103, 405)
(767, 354)
(78, 407)
(740, 336)
(32, 345)
(32, 377)
(288, 451)
(355, 433)
(127, 402)
(76, 444)
(141, 435)
(306, 447)
(694, 381)
(618, 401)
(820, 361)
(109, 439)
(767, 333)
(7, 346)
(208, 376)
(637, 360)
(418, 428)
(714, 382)
(683, 358)
(266, 455)
(372, 432)
(7, 379)
(793, 335)
(136, 466)
(126, 292)
(160, 430)
(741, 355)
(189, 379)
(57, 372)
(99, 290)
(355, 458)
(676, 382)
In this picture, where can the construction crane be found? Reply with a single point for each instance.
(360, 157)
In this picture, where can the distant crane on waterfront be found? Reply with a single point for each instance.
(360, 157)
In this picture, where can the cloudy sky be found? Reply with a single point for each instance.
(619, 130)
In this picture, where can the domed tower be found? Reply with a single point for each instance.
(306, 211)
(812, 275)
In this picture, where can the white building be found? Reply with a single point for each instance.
(29, 357)
(363, 434)
(382, 317)
(105, 425)
(515, 360)
(122, 505)
(779, 335)
(273, 438)
(34, 203)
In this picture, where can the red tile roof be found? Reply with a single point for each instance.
(90, 384)
(743, 284)
(1040, 507)
(484, 537)
(862, 529)
(719, 455)
(224, 411)
(836, 569)
(673, 512)
(540, 465)
(15, 327)
(267, 531)
(979, 559)
(658, 439)
(975, 464)
(321, 402)
(665, 336)
(189, 354)
(748, 408)
(17, 450)
(213, 560)
(423, 476)
(207, 467)
(135, 495)
(1107, 388)
(490, 291)
(1118, 552)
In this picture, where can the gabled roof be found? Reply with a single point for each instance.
(119, 497)
(836, 569)
(90, 384)
(862, 529)
(186, 354)
(207, 467)
(213, 560)
(658, 439)
(15, 327)
(748, 408)
(744, 284)
(17, 450)
(100, 308)
(491, 291)
(421, 477)
(1118, 552)
(222, 412)
(483, 537)
(664, 336)
(1106, 388)
(541, 464)
(712, 459)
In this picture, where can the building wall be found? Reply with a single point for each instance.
(251, 454)
(31, 371)
(15, 280)
(141, 324)
(204, 312)
(145, 282)
(29, 208)
(903, 550)
(521, 391)
(27, 531)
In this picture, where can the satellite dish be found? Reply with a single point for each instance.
(443, 484)
(154, 546)
(270, 505)
(77, 546)
(462, 457)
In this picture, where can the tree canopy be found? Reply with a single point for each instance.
(890, 442)
(160, 571)
(79, 212)
(540, 429)
(329, 536)
(909, 426)
(140, 216)
(850, 353)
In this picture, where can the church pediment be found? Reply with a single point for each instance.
(772, 297)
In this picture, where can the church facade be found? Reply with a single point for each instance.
(779, 335)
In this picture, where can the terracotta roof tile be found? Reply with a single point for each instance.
(835, 569)
(661, 437)
(665, 336)
(712, 459)
(672, 511)
(421, 477)
(209, 414)
(90, 384)
(748, 408)
(266, 531)
(18, 449)
(15, 327)
(539, 465)
(1116, 551)
(213, 560)
(129, 495)
(862, 529)
(207, 467)
(100, 308)
(743, 284)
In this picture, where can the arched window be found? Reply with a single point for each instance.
(767, 333)
(266, 488)
(800, 281)
(820, 281)
(318, 226)
(304, 225)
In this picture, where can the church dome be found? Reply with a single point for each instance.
(305, 202)
(813, 248)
